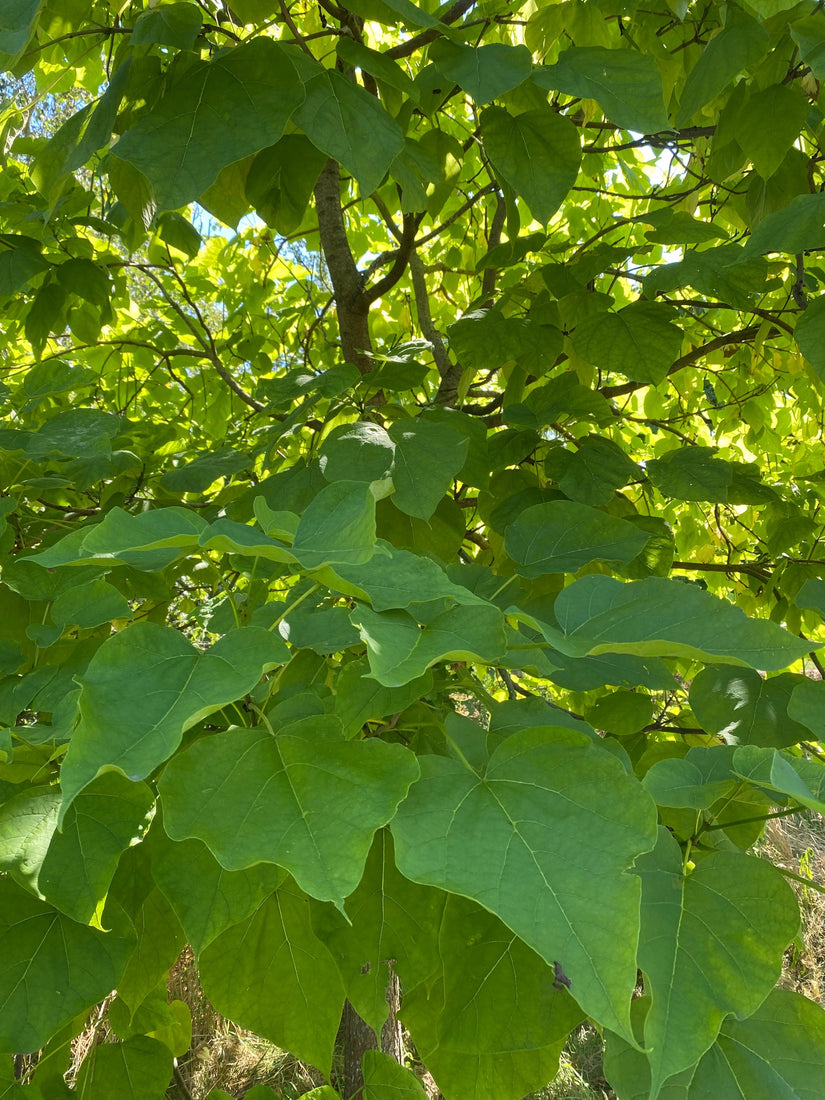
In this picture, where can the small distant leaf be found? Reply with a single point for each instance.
(562, 536)
(626, 84)
(640, 341)
(538, 153)
(484, 72)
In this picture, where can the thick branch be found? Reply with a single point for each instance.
(351, 303)
(401, 258)
(450, 372)
(404, 49)
(740, 336)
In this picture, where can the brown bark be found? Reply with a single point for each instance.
(357, 1037)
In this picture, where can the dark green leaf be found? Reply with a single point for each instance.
(562, 536)
(171, 25)
(741, 707)
(485, 72)
(640, 341)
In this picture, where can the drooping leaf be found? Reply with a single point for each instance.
(640, 341)
(337, 527)
(384, 1076)
(428, 455)
(137, 1069)
(51, 968)
(810, 335)
(512, 841)
(16, 24)
(485, 72)
(272, 974)
(798, 226)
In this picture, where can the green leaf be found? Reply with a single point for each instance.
(384, 1077)
(621, 713)
(360, 699)
(146, 686)
(375, 63)
(400, 648)
(347, 123)
(307, 801)
(739, 45)
(27, 824)
(208, 899)
(766, 146)
(561, 537)
(809, 35)
(137, 1069)
(20, 261)
(216, 112)
(695, 781)
(82, 858)
(805, 707)
(810, 335)
(399, 578)
(280, 180)
(428, 455)
(797, 227)
(626, 84)
(640, 341)
(517, 842)
(175, 25)
(800, 779)
(661, 617)
(51, 969)
(485, 72)
(90, 605)
(357, 452)
(17, 23)
(489, 1020)
(743, 709)
(196, 476)
(273, 975)
(711, 944)
(338, 527)
(538, 153)
(779, 1051)
(593, 472)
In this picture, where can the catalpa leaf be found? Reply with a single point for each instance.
(51, 968)
(135, 1069)
(640, 341)
(337, 527)
(217, 112)
(519, 841)
(538, 153)
(562, 536)
(207, 898)
(485, 72)
(428, 455)
(626, 84)
(797, 778)
(272, 974)
(711, 944)
(662, 617)
(146, 686)
(745, 709)
(384, 1076)
(695, 781)
(309, 803)
(778, 1052)
(493, 1019)
(398, 578)
(400, 648)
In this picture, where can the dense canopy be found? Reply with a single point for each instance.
(411, 562)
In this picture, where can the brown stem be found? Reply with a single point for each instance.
(404, 49)
(351, 303)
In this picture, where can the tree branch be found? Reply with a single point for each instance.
(404, 49)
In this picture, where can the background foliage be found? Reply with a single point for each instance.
(411, 541)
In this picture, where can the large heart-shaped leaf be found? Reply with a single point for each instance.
(516, 841)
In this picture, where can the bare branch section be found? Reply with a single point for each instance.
(451, 15)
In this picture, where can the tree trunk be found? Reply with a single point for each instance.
(356, 1037)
